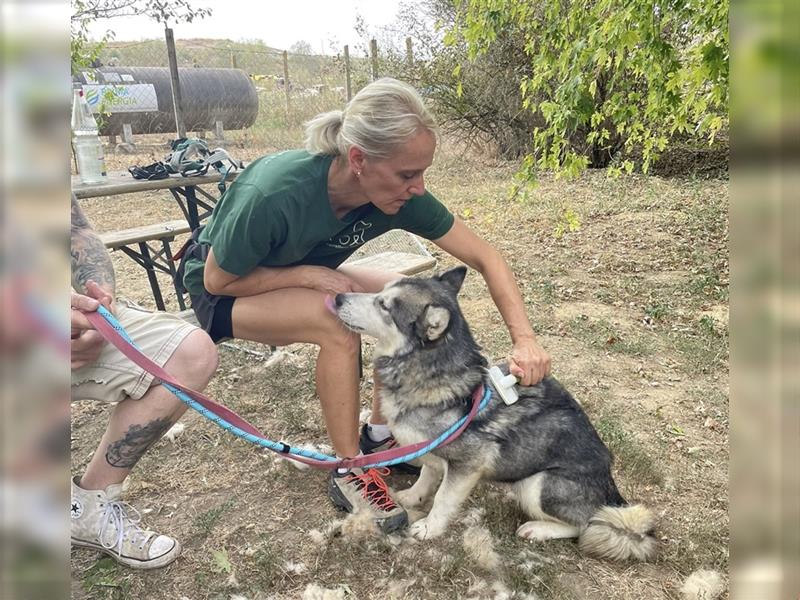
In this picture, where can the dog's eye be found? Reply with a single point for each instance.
(382, 304)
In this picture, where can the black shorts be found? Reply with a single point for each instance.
(214, 314)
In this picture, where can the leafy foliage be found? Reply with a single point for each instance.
(84, 51)
(474, 99)
(608, 79)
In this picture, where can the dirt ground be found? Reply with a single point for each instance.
(626, 284)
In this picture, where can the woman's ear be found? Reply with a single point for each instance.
(356, 156)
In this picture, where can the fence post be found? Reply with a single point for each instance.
(233, 61)
(373, 50)
(348, 84)
(409, 53)
(286, 81)
(177, 102)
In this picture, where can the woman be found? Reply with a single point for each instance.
(275, 245)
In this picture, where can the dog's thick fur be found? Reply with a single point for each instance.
(543, 445)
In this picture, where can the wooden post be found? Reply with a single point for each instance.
(286, 81)
(233, 61)
(127, 133)
(373, 51)
(348, 84)
(409, 53)
(128, 146)
(176, 84)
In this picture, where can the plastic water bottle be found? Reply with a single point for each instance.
(86, 141)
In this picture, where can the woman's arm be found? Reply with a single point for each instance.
(266, 279)
(529, 361)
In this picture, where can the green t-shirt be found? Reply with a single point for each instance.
(277, 213)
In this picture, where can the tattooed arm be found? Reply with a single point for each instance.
(92, 283)
(90, 260)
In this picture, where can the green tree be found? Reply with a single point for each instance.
(301, 47)
(607, 80)
(483, 102)
(84, 51)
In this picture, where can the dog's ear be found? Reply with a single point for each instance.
(454, 278)
(433, 323)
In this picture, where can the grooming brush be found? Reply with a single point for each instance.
(504, 385)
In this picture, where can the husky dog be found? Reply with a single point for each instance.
(543, 445)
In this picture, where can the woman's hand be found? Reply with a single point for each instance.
(330, 281)
(529, 362)
(86, 343)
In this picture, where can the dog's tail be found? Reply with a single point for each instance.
(620, 533)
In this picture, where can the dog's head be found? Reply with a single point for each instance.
(407, 314)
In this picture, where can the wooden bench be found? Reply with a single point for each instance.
(153, 253)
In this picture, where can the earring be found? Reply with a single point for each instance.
(358, 173)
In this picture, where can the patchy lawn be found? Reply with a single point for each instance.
(626, 283)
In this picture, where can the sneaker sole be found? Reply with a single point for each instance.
(386, 524)
(133, 563)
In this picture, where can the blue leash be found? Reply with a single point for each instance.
(282, 447)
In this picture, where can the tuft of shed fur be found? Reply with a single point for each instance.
(703, 585)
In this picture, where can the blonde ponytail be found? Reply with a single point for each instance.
(322, 133)
(378, 119)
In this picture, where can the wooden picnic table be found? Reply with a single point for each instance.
(149, 246)
(185, 190)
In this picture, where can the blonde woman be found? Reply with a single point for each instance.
(275, 244)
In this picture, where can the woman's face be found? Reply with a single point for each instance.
(390, 182)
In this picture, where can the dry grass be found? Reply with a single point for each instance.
(633, 308)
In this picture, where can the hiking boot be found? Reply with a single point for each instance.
(367, 446)
(99, 520)
(360, 489)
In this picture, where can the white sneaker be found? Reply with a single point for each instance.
(99, 520)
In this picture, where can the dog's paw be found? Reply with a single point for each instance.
(426, 529)
(408, 498)
(532, 530)
(539, 531)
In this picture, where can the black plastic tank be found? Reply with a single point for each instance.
(142, 97)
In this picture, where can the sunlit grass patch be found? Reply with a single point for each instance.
(704, 346)
(601, 334)
(205, 521)
(629, 455)
(106, 578)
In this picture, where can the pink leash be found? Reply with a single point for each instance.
(110, 333)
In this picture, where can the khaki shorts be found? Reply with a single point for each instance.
(113, 377)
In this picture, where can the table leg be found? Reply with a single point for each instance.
(147, 263)
(173, 272)
(191, 205)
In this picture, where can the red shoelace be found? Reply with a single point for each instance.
(373, 488)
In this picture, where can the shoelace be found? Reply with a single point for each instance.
(373, 488)
(116, 513)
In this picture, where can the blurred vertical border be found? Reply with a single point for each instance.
(34, 287)
(765, 300)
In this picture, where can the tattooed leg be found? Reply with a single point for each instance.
(135, 425)
(126, 452)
